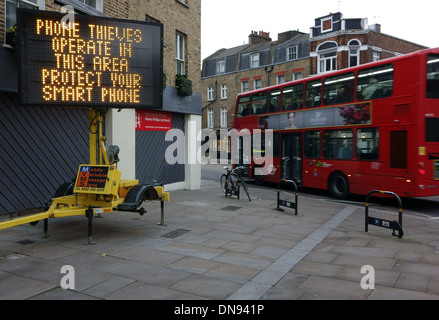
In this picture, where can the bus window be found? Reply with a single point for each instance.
(313, 93)
(433, 76)
(312, 144)
(339, 89)
(375, 83)
(338, 144)
(274, 104)
(243, 107)
(292, 97)
(259, 103)
(368, 144)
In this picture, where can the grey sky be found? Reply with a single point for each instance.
(227, 23)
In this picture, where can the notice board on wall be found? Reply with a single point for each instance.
(153, 120)
(89, 61)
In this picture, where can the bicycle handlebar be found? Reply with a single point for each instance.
(234, 169)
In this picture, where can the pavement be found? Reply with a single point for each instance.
(225, 249)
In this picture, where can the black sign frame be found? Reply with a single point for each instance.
(121, 67)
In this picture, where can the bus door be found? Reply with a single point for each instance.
(401, 158)
(243, 154)
(291, 157)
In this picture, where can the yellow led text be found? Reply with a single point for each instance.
(102, 32)
(91, 66)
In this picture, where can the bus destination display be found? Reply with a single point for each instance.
(89, 62)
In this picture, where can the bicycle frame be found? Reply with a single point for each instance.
(231, 187)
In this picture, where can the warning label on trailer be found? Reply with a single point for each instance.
(91, 179)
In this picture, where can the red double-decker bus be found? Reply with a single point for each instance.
(370, 127)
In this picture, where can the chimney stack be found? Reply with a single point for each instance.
(287, 35)
(375, 27)
(258, 38)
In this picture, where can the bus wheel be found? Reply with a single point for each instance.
(338, 185)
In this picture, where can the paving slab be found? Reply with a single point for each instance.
(218, 248)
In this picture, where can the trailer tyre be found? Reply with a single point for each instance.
(66, 189)
(338, 185)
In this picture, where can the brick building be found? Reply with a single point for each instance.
(333, 43)
(43, 146)
(337, 43)
(260, 63)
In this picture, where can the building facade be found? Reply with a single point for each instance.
(337, 43)
(260, 63)
(333, 43)
(44, 146)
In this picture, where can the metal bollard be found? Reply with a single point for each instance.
(285, 203)
(395, 225)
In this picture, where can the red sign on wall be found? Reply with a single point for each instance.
(151, 120)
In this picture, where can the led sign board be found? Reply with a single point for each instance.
(89, 61)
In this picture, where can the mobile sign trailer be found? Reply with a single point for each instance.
(94, 63)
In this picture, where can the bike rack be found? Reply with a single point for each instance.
(395, 225)
(293, 205)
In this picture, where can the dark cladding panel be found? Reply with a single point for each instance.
(40, 150)
(151, 163)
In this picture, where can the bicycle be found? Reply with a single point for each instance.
(231, 182)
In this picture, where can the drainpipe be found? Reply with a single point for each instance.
(268, 70)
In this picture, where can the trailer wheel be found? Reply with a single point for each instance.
(66, 189)
(338, 185)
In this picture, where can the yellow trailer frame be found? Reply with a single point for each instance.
(98, 188)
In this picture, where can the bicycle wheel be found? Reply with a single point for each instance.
(223, 183)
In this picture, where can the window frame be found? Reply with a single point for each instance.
(224, 90)
(210, 122)
(280, 79)
(259, 102)
(292, 53)
(223, 117)
(254, 60)
(244, 102)
(334, 143)
(257, 84)
(354, 52)
(180, 53)
(365, 78)
(372, 145)
(9, 23)
(333, 83)
(245, 86)
(327, 52)
(210, 93)
(274, 100)
(220, 66)
(432, 76)
(296, 89)
(310, 138)
(308, 90)
(297, 75)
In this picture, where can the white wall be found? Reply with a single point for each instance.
(192, 165)
(120, 129)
